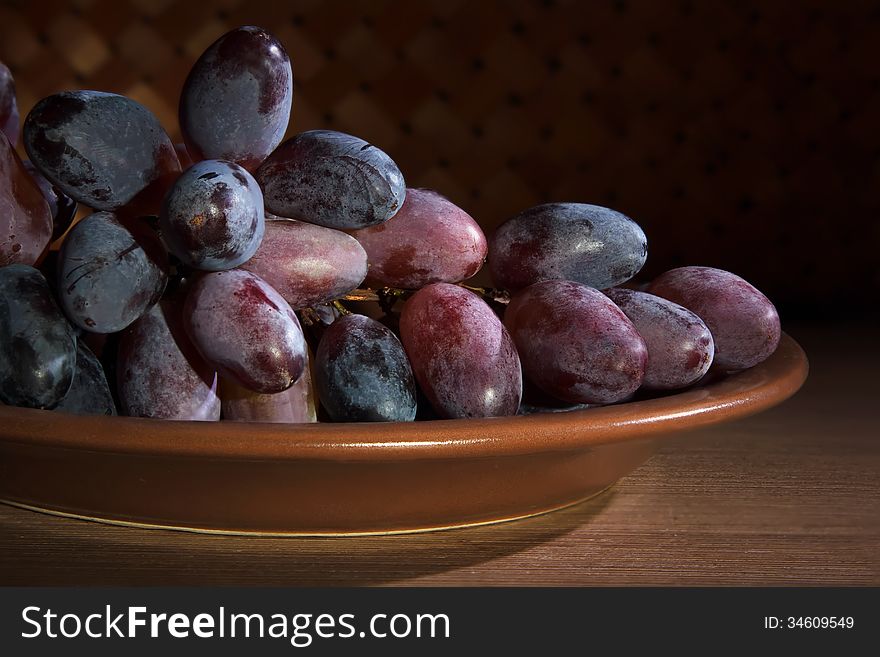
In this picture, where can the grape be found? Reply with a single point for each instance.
(461, 355)
(37, 345)
(680, 346)
(245, 329)
(308, 264)
(362, 373)
(62, 208)
(89, 393)
(575, 344)
(159, 372)
(110, 272)
(101, 149)
(236, 101)
(213, 216)
(331, 179)
(8, 106)
(25, 220)
(567, 241)
(429, 240)
(294, 405)
(743, 322)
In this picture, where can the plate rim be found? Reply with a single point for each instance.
(735, 396)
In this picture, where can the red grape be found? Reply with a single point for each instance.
(575, 344)
(308, 264)
(25, 218)
(294, 405)
(680, 346)
(461, 355)
(159, 372)
(245, 329)
(744, 323)
(430, 240)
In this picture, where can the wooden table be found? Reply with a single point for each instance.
(791, 496)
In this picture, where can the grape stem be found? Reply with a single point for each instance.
(342, 310)
(388, 295)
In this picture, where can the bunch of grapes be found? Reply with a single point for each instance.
(216, 278)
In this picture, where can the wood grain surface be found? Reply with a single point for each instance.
(791, 496)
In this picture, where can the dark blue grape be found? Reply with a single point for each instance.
(331, 179)
(363, 374)
(213, 217)
(37, 344)
(110, 272)
(89, 393)
(588, 244)
(103, 150)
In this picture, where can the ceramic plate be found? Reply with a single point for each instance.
(326, 479)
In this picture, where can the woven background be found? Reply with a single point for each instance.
(739, 134)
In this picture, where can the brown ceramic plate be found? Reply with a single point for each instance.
(355, 478)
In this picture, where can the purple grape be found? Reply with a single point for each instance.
(362, 373)
(236, 101)
(103, 150)
(8, 106)
(295, 405)
(588, 244)
(308, 264)
(461, 355)
(110, 272)
(744, 323)
(331, 179)
(213, 217)
(37, 345)
(246, 330)
(430, 240)
(89, 393)
(61, 206)
(25, 220)
(575, 344)
(159, 372)
(680, 346)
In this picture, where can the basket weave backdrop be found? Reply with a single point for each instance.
(738, 134)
